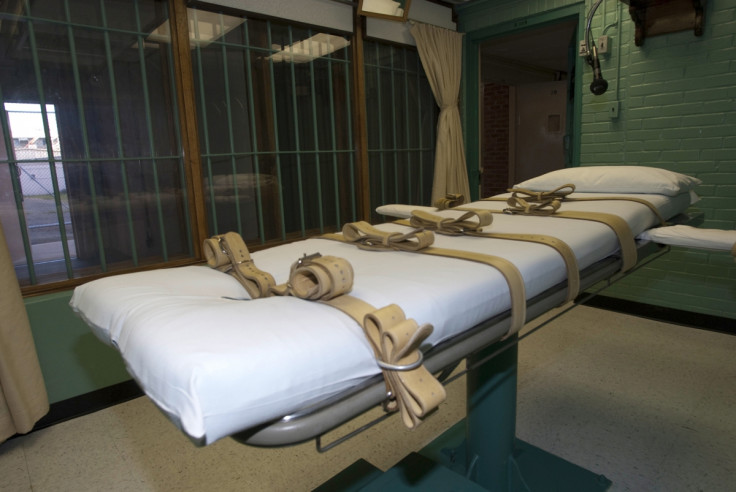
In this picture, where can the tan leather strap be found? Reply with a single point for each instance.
(215, 255)
(508, 270)
(616, 223)
(559, 193)
(620, 227)
(318, 277)
(450, 200)
(365, 236)
(642, 201)
(567, 254)
(411, 388)
(538, 202)
(733, 251)
(256, 282)
(397, 341)
(447, 225)
(461, 225)
(327, 279)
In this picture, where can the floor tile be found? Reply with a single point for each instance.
(647, 404)
(13, 468)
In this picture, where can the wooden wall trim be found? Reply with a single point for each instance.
(188, 121)
(360, 119)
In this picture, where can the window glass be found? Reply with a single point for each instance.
(275, 126)
(92, 172)
(402, 116)
(91, 176)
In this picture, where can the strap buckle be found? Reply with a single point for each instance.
(220, 241)
(308, 258)
(405, 367)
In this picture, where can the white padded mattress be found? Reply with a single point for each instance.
(217, 366)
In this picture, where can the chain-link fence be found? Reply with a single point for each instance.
(36, 178)
(38, 191)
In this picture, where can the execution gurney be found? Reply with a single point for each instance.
(282, 370)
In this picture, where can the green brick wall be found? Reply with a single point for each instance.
(479, 15)
(676, 97)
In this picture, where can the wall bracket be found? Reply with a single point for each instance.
(653, 17)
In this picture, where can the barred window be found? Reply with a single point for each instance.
(91, 176)
(102, 171)
(402, 117)
(275, 126)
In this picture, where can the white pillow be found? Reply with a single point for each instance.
(615, 179)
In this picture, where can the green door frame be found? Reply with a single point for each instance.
(471, 82)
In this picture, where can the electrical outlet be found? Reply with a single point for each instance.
(583, 49)
(602, 45)
(613, 110)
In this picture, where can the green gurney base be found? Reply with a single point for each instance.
(479, 453)
(436, 468)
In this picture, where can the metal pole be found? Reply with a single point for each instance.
(490, 431)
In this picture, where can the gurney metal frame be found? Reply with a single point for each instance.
(488, 454)
(490, 450)
(314, 421)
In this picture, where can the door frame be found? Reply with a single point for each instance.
(471, 86)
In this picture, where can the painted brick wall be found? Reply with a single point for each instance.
(500, 11)
(676, 97)
(495, 140)
(676, 101)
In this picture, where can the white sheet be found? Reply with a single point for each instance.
(217, 366)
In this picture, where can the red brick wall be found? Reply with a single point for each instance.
(495, 140)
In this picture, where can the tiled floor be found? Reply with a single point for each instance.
(650, 405)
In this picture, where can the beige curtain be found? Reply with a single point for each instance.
(441, 53)
(23, 398)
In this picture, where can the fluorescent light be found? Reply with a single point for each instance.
(204, 27)
(308, 49)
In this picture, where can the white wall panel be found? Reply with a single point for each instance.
(420, 11)
(337, 15)
(325, 13)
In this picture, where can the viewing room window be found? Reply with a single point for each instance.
(123, 148)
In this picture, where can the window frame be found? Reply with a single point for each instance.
(186, 102)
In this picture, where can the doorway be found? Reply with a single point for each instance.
(527, 90)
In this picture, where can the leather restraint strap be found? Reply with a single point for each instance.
(365, 236)
(509, 271)
(449, 226)
(461, 225)
(619, 226)
(228, 253)
(527, 202)
(411, 388)
(450, 200)
(646, 203)
(320, 278)
(386, 241)
(522, 199)
(538, 202)
(395, 340)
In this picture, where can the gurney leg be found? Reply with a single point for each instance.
(490, 426)
(490, 454)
